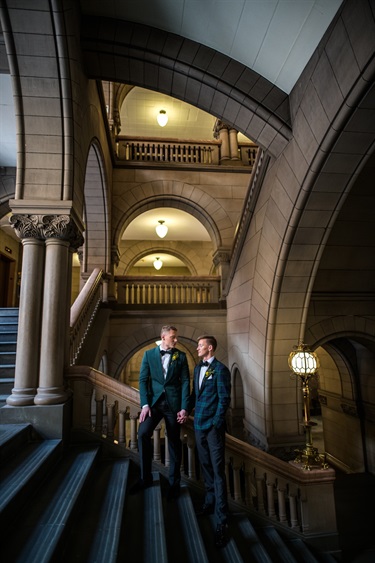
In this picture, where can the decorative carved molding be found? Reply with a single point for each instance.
(221, 256)
(351, 410)
(218, 126)
(43, 227)
(115, 255)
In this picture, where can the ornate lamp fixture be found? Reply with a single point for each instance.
(304, 363)
(162, 118)
(161, 229)
(158, 263)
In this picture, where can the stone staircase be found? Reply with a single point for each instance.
(71, 504)
(8, 345)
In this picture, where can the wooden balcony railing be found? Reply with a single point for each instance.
(168, 290)
(180, 152)
(278, 491)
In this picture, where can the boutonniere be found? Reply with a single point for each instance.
(175, 356)
(208, 373)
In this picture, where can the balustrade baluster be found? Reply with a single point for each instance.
(270, 483)
(281, 488)
(99, 414)
(236, 465)
(133, 431)
(121, 427)
(140, 294)
(292, 496)
(260, 497)
(190, 442)
(157, 451)
(166, 447)
(110, 420)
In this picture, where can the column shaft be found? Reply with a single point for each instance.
(29, 324)
(51, 386)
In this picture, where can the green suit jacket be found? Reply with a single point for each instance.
(176, 384)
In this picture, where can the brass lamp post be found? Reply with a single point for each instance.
(304, 363)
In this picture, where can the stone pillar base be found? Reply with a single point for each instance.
(21, 397)
(49, 421)
(51, 395)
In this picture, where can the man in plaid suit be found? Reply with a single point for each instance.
(211, 398)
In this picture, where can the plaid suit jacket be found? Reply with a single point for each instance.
(176, 385)
(212, 400)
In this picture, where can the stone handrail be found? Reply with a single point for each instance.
(140, 149)
(292, 498)
(167, 290)
(83, 311)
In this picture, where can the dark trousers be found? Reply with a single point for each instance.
(158, 411)
(211, 452)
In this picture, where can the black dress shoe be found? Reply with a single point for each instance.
(221, 535)
(205, 509)
(140, 485)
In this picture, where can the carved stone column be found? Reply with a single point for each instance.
(28, 230)
(221, 131)
(233, 144)
(60, 233)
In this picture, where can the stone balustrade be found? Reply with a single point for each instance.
(168, 290)
(282, 492)
(182, 152)
(83, 311)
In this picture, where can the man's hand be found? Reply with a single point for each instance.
(182, 416)
(145, 412)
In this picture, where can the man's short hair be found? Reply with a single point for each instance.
(167, 328)
(210, 339)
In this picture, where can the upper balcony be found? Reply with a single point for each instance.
(136, 150)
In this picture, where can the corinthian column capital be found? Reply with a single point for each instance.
(44, 227)
(28, 226)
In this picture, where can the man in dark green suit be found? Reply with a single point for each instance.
(164, 387)
(210, 399)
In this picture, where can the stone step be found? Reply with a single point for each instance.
(12, 438)
(7, 358)
(8, 313)
(42, 533)
(7, 372)
(23, 472)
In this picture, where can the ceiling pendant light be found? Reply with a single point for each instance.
(161, 229)
(158, 263)
(162, 118)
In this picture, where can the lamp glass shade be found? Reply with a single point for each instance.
(161, 229)
(302, 361)
(158, 264)
(162, 118)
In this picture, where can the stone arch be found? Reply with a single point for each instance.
(134, 340)
(236, 412)
(193, 259)
(340, 326)
(191, 72)
(96, 213)
(153, 249)
(346, 391)
(163, 193)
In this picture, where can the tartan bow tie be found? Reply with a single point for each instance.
(201, 364)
